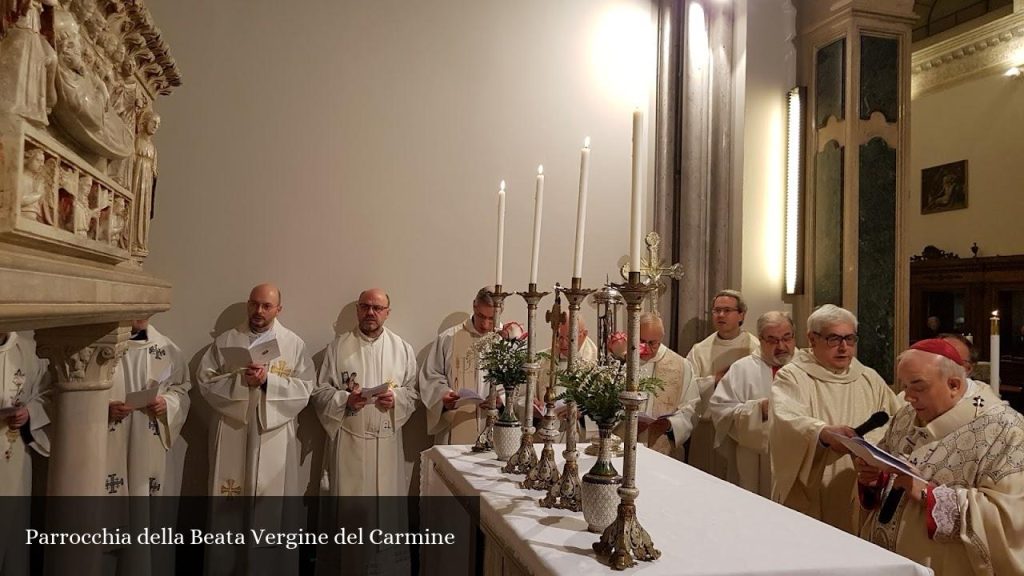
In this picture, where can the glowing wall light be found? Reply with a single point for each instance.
(794, 161)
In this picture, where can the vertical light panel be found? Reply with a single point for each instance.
(794, 142)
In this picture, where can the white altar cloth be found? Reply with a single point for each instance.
(702, 525)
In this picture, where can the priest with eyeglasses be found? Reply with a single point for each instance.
(822, 395)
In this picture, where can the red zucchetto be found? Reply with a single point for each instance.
(940, 347)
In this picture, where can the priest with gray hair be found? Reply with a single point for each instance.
(817, 398)
(739, 406)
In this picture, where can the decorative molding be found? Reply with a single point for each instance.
(978, 52)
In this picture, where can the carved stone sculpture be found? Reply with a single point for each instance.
(145, 172)
(83, 213)
(28, 67)
(38, 195)
(83, 100)
(118, 223)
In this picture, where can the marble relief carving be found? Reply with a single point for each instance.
(77, 84)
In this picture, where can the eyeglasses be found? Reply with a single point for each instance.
(721, 311)
(776, 341)
(833, 340)
(368, 307)
(264, 306)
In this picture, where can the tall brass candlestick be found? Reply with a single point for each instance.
(566, 494)
(625, 541)
(485, 441)
(545, 473)
(526, 458)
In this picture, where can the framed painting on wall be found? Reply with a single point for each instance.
(944, 187)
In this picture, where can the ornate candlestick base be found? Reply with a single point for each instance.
(525, 459)
(545, 473)
(625, 541)
(485, 441)
(567, 495)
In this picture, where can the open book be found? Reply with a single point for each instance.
(369, 393)
(262, 351)
(879, 458)
(468, 396)
(141, 398)
(648, 420)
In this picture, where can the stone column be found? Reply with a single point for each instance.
(854, 59)
(83, 360)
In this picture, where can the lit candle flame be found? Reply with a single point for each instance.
(995, 313)
(502, 185)
(586, 142)
(540, 169)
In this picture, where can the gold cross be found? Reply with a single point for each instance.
(652, 268)
(281, 369)
(230, 488)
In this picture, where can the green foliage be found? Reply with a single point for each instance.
(595, 389)
(502, 360)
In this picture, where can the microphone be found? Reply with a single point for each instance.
(892, 501)
(877, 420)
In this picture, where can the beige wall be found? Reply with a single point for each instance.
(330, 146)
(981, 121)
(769, 71)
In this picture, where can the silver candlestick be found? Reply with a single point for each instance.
(625, 541)
(545, 473)
(566, 494)
(485, 441)
(526, 458)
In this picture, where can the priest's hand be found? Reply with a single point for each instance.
(867, 475)
(18, 418)
(450, 398)
(255, 375)
(158, 407)
(385, 401)
(828, 437)
(656, 429)
(538, 408)
(117, 411)
(916, 489)
(765, 405)
(355, 400)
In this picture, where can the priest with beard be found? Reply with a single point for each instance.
(451, 365)
(364, 435)
(740, 405)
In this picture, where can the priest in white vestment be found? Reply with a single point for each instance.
(823, 393)
(710, 359)
(364, 454)
(739, 407)
(451, 365)
(674, 408)
(586, 350)
(24, 400)
(139, 440)
(963, 515)
(254, 450)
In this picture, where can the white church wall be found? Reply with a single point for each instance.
(333, 146)
(767, 71)
(980, 121)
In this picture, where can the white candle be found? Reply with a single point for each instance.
(581, 209)
(501, 233)
(635, 204)
(994, 353)
(538, 203)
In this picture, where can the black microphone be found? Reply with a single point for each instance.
(877, 420)
(892, 502)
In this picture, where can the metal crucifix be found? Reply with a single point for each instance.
(653, 270)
